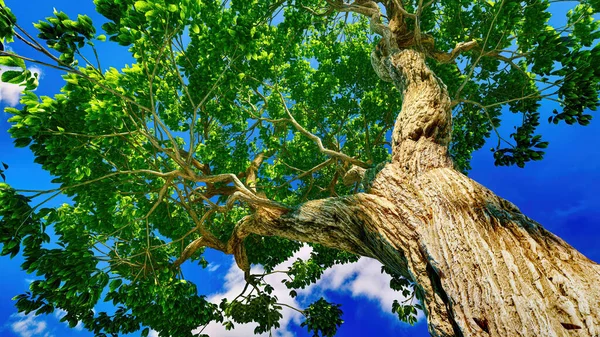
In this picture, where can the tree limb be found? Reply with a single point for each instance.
(461, 47)
(350, 223)
(318, 140)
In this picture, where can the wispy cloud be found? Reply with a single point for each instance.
(578, 207)
(29, 326)
(362, 279)
(213, 267)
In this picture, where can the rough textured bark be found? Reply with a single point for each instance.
(480, 266)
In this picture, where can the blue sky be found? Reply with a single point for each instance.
(559, 192)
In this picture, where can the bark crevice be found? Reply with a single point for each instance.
(438, 290)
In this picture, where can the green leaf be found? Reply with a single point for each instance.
(72, 80)
(11, 244)
(114, 284)
(22, 142)
(12, 61)
(142, 6)
(12, 76)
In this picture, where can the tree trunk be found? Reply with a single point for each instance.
(480, 266)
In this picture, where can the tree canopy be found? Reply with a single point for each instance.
(235, 105)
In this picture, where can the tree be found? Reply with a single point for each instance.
(274, 125)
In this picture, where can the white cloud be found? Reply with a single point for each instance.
(153, 333)
(10, 94)
(361, 279)
(29, 326)
(213, 267)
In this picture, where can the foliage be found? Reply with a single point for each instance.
(405, 310)
(262, 309)
(148, 153)
(320, 316)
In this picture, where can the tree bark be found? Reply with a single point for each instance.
(480, 266)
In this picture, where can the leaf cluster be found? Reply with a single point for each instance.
(323, 318)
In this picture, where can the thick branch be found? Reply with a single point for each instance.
(351, 223)
(252, 171)
(191, 248)
(454, 53)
